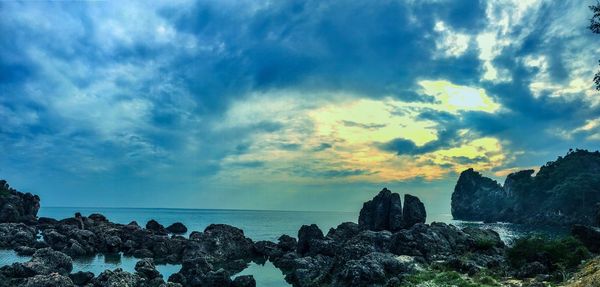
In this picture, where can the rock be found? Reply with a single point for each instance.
(267, 249)
(156, 227)
(413, 212)
(306, 235)
(287, 243)
(81, 278)
(146, 269)
(98, 217)
(383, 212)
(344, 231)
(217, 278)
(46, 221)
(25, 250)
(116, 278)
(310, 271)
(49, 280)
(483, 239)
(17, 206)
(364, 243)
(430, 242)
(374, 268)
(16, 234)
(244, 281)
(177, 228)
(588, 235)
(143, 253)
(222, 242)
(46, 261)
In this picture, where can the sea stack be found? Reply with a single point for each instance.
(384, 212)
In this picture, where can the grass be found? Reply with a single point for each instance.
(441, 278)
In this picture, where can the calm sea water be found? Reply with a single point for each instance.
(258, 225)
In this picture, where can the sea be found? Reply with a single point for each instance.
(257, 225)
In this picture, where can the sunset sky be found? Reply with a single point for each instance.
(288, 105)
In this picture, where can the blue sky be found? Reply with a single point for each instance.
(312, 105)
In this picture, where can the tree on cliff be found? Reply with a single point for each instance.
(595, 27)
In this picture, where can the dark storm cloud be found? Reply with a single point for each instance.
(94, 91)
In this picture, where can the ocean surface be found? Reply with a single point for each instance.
(258, 225)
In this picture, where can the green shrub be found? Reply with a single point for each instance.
(566, 252)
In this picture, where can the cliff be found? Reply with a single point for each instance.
(17, 206)
(564, 192)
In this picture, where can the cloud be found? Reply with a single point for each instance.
(139, 97)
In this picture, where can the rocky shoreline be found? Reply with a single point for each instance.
(390, 246)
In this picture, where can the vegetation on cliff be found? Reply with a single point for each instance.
(563, 192)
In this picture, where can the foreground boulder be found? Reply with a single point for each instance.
(50, 280)
(17, 206)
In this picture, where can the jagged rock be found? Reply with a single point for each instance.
(81, 278)
(146, 269)
(155, 227)
(413, 212)
(306, 235)
(244, 281)
(344, 231)
(287, 243)
(98, 217)
(16, 234)
(588, 235)
(17, 206)
(310, 271)
(430, 242)
(177, 228)
(374, 268)
(46, 221)
(222, 242)
(48, 280)
(25, 250)
(267, 249)
(383, 212)
(116, 278)
(364, 243)
(43, 262)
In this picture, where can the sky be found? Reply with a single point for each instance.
(287, 105)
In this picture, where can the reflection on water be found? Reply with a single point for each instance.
(265, 274)
(95, 264)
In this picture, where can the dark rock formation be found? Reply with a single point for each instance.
(588, 235)
(146, 269)
(413, 212)
(16, 206)
(563, 192)
(244, 281)
(155, 227)
(307, 236)
(177, 228)
(49, 280)
(383, 212)
(81, 278)
(16, 234)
